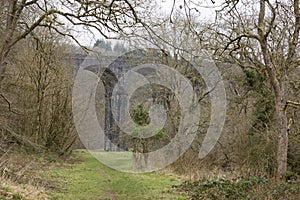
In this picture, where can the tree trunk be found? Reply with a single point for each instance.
(282, 127)
(279, 91)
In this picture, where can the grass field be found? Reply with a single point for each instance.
(90, 179)
(120, 160)
(83, 177)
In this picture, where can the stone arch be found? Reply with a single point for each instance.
(113, 68)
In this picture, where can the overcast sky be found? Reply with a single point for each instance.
(207, 12)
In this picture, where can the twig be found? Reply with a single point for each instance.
(9, 104)
(292, 104)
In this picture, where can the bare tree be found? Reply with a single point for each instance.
(264, 37)
(20, 17)
(38, 88)
(22, 20)
(261, 36)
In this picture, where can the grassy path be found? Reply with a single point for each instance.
(90, 179)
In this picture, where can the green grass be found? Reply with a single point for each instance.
(122, 161)
(90, 179)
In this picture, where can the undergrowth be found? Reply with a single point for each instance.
(240, 188)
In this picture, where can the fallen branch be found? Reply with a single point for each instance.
(292, 104)
(24, 140)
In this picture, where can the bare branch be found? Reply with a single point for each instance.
(271, 25)
(295, 38)
(9, 105)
